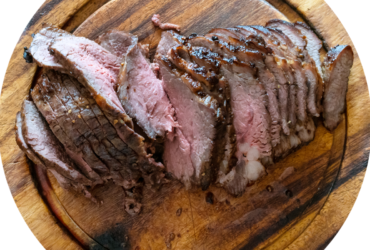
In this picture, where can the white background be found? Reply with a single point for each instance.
(14, 232)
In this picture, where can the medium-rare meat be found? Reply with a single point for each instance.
(246, 37)
(97, 69)
(64, 182)
(197, 118)
(206, 82)
(310, 88)
(117, 42)
(251, 119)
(287, 91)
(164, 26)
(39, 48)
(142, 95)
(46, 146)
(254, 59)
(336, 68)
(251, 122)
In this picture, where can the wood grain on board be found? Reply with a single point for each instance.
(179, 219)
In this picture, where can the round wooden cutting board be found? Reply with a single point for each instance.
(301, 203)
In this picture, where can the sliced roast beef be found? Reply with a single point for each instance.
(310, 92)
(46, 146)
(97, 69)
(197, 118)
(117, 42)
(39, 48)
(336, 68)
(65, 128)
(251, 120)
(314, 45)
(207, 82)
(142, 95)
(64, 182)
(168, 40)
(254, 59)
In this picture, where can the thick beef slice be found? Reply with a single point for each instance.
(251, 122)
(39, 48)
(22, 143)
(117, 42)
(197, 120)
(97, 69)
(205, 82)
(272, 64)
(81, 153)
(265, 76)
(55, 113)
(46, 146)
(63, 181)
(142, 95)
(336, 67)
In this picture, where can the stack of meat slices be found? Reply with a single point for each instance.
(213, 109)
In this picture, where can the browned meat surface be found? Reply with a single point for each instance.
(46, 146)
(311, 91)
(117, 42)
(164, 26)
(84, 59)
(336, 68)
(142, 95)
(314, 45)
(265, 76)
(280, 70)
(303, 129)
(64, 182)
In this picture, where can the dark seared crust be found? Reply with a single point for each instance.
(48, 149)
(314, 45)
(63, 181)
(314, 85)
(82, 105)
(336, 68)
(218, 90)
(256, 59)
(113, 110)
(207, 173)
(289, 30)
(39, 48)
(251, 41)
(59, 118)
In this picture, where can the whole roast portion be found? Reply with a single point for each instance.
(209, 110)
